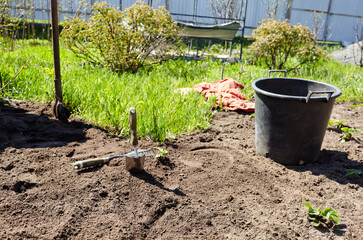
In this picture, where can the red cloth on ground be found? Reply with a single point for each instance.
(228, 91)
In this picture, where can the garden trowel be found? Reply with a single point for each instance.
(134, 163)
(134, 160)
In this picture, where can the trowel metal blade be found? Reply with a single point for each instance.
(135, 164)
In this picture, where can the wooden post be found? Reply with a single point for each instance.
(327, 22)
(59, 110)
(195, 7)
(1, 85)
(55, 38)
(243, 29)
(288, 9)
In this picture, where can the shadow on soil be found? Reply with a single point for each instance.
(20, 129)
(338, 230)
(334, 165)
(147, 177)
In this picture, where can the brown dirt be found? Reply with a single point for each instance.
(215, 185)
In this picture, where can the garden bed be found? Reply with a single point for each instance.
(215, 185)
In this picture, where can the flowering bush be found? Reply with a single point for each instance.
(121, 40)
(276, 42)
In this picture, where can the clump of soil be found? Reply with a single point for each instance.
(213, 186)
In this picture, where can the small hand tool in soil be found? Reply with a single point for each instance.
(134, 163)
(134, 159)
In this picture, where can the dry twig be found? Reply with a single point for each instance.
(17, 73)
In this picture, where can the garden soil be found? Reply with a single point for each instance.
(214, 185)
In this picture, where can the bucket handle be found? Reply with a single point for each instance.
(307, 98)
(270, 71)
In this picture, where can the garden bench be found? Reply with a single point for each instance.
(226, 32)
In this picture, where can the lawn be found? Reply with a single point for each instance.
(103, 97)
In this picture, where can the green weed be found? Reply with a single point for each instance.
(338, 123)
(161, 153)
(163, 158)
(325, 218)
(348, 134)
(354, 171)
(353, 106)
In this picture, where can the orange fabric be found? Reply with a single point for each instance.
(228, 91)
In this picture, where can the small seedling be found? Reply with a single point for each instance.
(339, 123)
(162, 153)
(348, 134)
(325, 218)
(356, 105)
(162, 158)
(353, 171)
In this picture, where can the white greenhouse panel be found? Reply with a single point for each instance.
(256, 12)
(316, 5)
(128, 3)
(349, 7)
(342, 28)
(307, 19)
(342, 19)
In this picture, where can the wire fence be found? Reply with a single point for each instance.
(332, 20)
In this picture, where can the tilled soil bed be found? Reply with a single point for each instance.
(215, 185)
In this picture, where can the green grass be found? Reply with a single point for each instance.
(103, 97)
(98, 95)
(349, 78)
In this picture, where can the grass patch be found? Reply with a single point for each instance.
(104, 97)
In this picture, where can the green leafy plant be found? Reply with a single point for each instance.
(339, 123)
(356, 105)
(348, 134)
(353, 171)
(325, 218)
(215, 49)
(276, 42)
(162, 153)
(162, 157)
(122, 40)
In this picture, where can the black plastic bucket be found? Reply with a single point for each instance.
(291, 117)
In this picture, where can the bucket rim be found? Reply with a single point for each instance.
(337, 91)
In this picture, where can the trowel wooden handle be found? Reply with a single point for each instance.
(132, 119)
(89, 163)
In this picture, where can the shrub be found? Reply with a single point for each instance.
(10, 14)
(121, 40)
(276, 42)
(325, 218)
